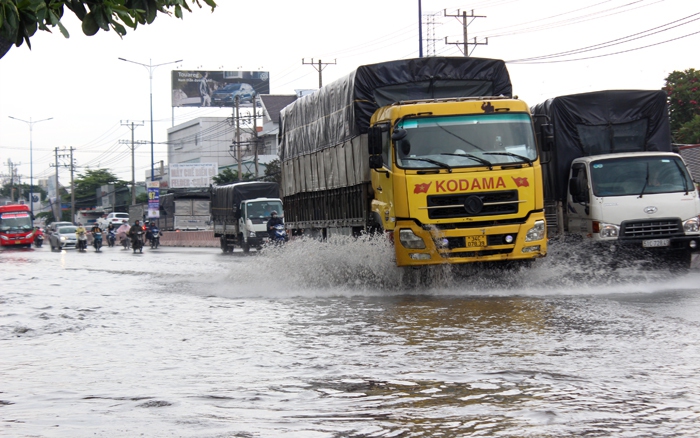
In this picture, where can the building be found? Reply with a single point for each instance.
(216, 139)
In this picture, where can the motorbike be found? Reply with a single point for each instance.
(155, 237)
(97, 241)
(111, 238)
(278, 235)
(38, 240)
(124, 240)
(137, 244)
(81, 243)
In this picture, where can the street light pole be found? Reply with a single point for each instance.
(150, 67)
(31, 161)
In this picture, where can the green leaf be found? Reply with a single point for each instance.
(178, 11)
(63, 30)
(121, 30)
(90, 26)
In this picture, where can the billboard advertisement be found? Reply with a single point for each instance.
(192, 175)
(153, 189)
(198, 88)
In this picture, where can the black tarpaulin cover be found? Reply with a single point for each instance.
(225, 200)
(615, 113)
(342, 109)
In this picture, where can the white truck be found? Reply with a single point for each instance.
(240, 212)
(611, 177)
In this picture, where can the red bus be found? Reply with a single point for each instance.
(16, 225)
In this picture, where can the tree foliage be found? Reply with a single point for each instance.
(683, 89)
(273, 172)
(13, 190)
(228, 176)
(86, 186)
(20, 19)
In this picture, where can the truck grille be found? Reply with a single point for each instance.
(651, 229)
(453, 206)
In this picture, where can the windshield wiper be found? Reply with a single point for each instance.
(646, 182)
(510, 154)
(428, 160)
(475, 158)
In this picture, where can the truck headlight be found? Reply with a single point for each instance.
(609, 230)
(409, 240)
(251, 233)
(536, 232)
(692, 225)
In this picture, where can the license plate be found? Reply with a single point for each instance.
(655, 243)
(17, 242)
(475, 241)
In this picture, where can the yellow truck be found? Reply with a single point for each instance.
(435, 152)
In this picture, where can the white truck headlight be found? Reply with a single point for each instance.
(609, 230)
(409, 240)
(251, 233)
(536, 232)
(692, 225)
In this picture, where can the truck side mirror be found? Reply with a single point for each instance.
(374, 140)
(579, 192)
(547, 137)
(376, 162)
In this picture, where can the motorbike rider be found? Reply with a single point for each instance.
(274, 220)
(134, 230)
(123, 230)
(80, 232)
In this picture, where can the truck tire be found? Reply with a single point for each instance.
(224, 244)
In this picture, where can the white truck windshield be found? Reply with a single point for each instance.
(639, 176)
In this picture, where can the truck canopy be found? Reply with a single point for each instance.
(225, 200)
(601, 122)
(342, 109)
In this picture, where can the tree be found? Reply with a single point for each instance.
(228, 176)
(272, 172)
(86, 186)
(20, 19)
(683, 89)
(13, 190)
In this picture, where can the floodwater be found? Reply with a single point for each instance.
(322, 340)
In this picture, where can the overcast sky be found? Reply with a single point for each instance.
(552, 48)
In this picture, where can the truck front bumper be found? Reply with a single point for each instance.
(418, 245)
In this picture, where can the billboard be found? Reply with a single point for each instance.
(192, 175)
(153, 189)
(198, 88)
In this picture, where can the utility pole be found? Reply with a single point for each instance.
(255, 135)
(58, 192)
(72, 184)
(319, 66)
(464, 23)
(238, 139)
(420, 29)
(133, 166)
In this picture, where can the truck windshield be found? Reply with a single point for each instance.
(13, 222)
(263, 209)
(465, 141)
(639, 175)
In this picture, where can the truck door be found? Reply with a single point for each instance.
(578, 200)
(383, 185)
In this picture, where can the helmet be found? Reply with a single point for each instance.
(273, 212)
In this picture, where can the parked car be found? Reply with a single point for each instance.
(63, 237)
(53, 226)
(115, 218)
(226, 96)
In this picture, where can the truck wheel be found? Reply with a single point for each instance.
(224, 244)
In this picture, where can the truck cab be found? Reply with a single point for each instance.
(640, 199)
(252, 223)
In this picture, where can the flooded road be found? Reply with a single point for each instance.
(321, 340)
